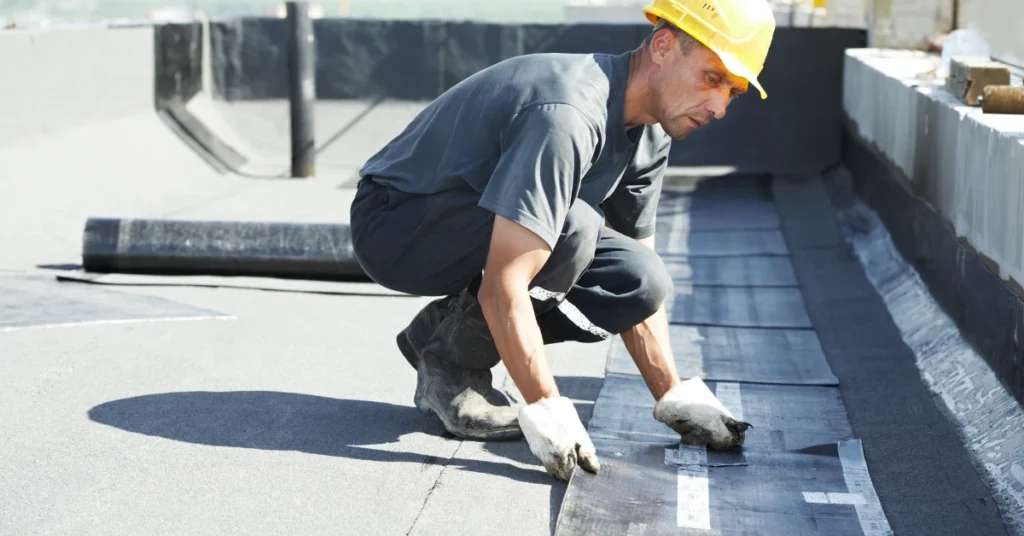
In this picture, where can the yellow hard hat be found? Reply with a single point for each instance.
(739, 31)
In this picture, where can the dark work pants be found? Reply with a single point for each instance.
(596, 283)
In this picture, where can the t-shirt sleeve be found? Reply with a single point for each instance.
(545, 152)
(632, 208)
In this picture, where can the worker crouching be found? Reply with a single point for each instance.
(526, 197)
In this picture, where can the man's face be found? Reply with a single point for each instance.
(688, 91)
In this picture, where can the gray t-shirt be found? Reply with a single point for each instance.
(532, 134)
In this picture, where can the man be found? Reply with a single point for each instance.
(526, 197)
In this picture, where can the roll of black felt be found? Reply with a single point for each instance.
(173, 247)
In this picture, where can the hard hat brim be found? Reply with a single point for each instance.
(736, 67)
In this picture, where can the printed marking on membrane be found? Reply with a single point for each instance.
(693, 495)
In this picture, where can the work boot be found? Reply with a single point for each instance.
(454, 380)
(417, 334)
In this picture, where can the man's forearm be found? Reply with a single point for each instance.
(649, 345)
(510, 317)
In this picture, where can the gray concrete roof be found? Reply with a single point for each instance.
(292, 413)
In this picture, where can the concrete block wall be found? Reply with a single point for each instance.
(56, 79)
(948, 181)
(847, 13)
(967, 164)
(911, 23)
(908, 23)
(627, 13)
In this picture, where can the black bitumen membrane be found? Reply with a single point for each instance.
(845, 384)
(923, 474)
(784, 356)
(987, 310)
(34, 301)
(757, 490)
(731, 271)
(713, 243)
(753, 307)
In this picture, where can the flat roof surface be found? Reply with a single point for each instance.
(246, 411)
(291, 413)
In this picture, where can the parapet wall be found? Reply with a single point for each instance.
(948, 181)
(71, 77)
(797, 130)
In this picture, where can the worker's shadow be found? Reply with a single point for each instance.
(270, 420)
(356, 429)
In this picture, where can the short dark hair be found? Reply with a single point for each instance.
(686, 41)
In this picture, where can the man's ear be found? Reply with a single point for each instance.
(662, 44)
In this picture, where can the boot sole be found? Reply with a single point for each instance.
(508, 433)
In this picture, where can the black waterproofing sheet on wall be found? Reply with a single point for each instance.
(418, 60)
(988, 312)
(34, 301)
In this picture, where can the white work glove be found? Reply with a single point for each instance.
(557, 438)
(691, 409)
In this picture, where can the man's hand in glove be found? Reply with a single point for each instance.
(557, 438)
(691, 409)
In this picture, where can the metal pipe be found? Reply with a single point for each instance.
(302, 88)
